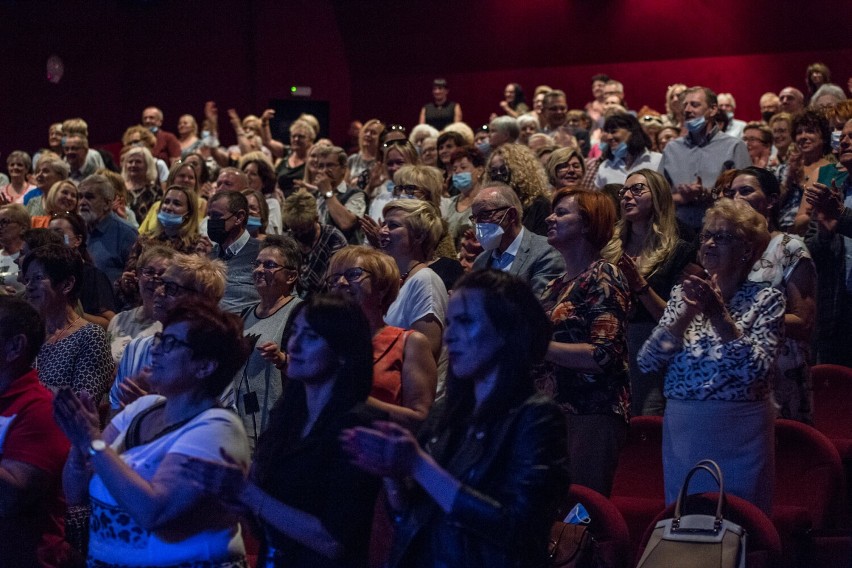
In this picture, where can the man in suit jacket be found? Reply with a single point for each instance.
(227, 213)
(509, 247)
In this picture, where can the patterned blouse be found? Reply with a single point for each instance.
(82, 361)
(701, 367)
(591, 308)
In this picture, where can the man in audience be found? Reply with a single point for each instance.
(231, 179)
(555, 110)
(32, 447)
(110, 238)
(318, 243)
(167, 147)
(770, 105)
(792, 100)
(728, 105)
(76, 148)
(613, 88)
(692, 163)
(503, 130)
(509, 247)
(338, 204)
(227, 214)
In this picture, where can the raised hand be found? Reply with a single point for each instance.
(371, 230)
(388, 450)
(77, 417)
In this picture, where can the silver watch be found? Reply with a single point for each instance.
(96, 447)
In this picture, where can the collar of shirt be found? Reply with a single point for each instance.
(235, 247)
(701, 139)
(512, 249)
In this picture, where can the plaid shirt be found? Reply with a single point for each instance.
(315, 263)
(592, 167)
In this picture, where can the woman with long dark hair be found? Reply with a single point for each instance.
(626, 148)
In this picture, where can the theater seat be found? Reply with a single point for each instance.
(638, 489)
(763, 545)
(607, 527)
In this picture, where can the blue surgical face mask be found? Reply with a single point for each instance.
(169, 220)
(484, 147)
(154, 129)
(602, 146)
(489, 235)
(464, 180)
(253, 222)
(696, 125)
(620, 152)
(835, 140)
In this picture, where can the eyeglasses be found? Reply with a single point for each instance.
(635, 190)
(351, 275)
(485, 215)
(499, 174)
(268, 265)
(408, 190)
(165, 343)
(151, 273)
(172, 289)
(722, 238)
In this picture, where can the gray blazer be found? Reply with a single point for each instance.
(536, 262)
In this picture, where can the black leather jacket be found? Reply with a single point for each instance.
(514, 479)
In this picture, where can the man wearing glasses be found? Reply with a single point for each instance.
(110, 238)
(337, 204)
(188, 277)
(508, 246)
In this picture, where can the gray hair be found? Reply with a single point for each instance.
(100, 184)
(503, 196)
(507, 125)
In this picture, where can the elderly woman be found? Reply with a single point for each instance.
(259, 384)
(626, 148)
(491, 453)
(369, 139)
(517, 167)
(585, 368)
(652, 256)
(468, 172)
(144, 511)
(292, 165)
(566, 169)
(429, 152)
(261, 178)
(140, 321)
(420, 133)
(409, 234)
(20, 166)
(786, 265)
(140, 136)
(187, 135)
(139, 171)
(718, 340)
(313, 506)
(97, 298)
(528, 124)
(49, 171)
(404, 372)
(76, 353)
(13, 222)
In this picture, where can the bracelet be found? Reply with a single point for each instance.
(642, 290)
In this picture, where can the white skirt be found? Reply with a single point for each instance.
(739, 436)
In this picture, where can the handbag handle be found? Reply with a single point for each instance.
(713, 469)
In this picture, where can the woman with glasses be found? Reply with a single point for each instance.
(585, 369)
(97, 298)
(404, 372)
(393, 155)
(144, 510)
(140, 321)
(517, 167)
(76, 353)
(786, 264)
(314, 507)
(717, 342)
(566, 169)
(259, 384)
(652, 256)
(626, 149)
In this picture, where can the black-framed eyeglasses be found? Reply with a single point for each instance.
(172, 289)
(722, 238)
(499, 174)
(269, 265)
(165, 343)
(486, 214)
(351, 275)
(409, 190)
(634, 190)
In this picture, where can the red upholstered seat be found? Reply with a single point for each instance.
(763, 545)
(607, 526)
(638, 490)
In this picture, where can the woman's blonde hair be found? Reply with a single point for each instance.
(151, 175)
(188, 231)
(423, 222)
(50, 206)
(204, 275)
(384, 272)
(747, 223)
(427, 178)
(527, 175)
(662, 237)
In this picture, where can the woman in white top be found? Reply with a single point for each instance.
(626, 148)
(144, 511)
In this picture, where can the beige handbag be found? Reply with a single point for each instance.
(696, 541)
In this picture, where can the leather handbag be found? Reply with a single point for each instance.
(696, 541)
(570, 546)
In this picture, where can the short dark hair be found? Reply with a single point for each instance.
(600, 77)
(814, 120)
(40, 237)
(79, 225)
(472, 153)
(450, 135)
(286, 247)
(60, 263)
(18, 316)
(215, 335)
(236, 201)
(266, 174)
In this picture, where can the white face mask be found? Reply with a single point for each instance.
(489, 235)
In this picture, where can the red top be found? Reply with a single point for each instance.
(388, 348)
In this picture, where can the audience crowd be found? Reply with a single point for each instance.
(427, 334)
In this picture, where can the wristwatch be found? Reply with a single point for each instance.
(96, 447)
(329, 194)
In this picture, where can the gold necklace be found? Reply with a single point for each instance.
(58, 336)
